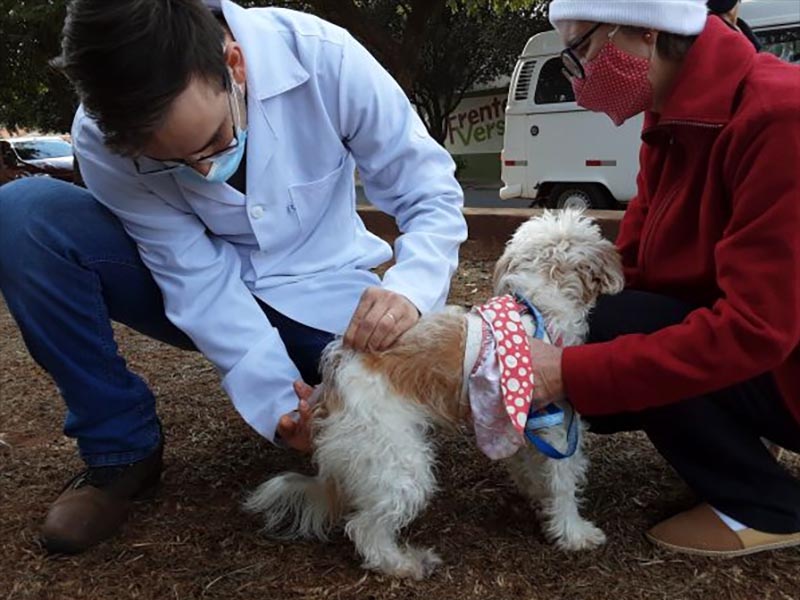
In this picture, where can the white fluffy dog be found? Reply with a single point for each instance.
(372, 424)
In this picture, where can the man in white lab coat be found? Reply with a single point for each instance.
(218, 145)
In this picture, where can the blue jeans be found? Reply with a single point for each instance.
(67, 269)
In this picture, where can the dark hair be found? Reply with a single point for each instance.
(673, 46)
(670, 46)
(129, 59)
(720, 7)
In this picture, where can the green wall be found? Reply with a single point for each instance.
(478, 167)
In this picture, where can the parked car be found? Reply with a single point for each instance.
(558, 154)
(36, 156)
(776, 23)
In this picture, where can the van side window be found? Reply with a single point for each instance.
(783, 43)
(553, 86)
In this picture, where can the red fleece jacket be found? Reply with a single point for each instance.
(716, 222)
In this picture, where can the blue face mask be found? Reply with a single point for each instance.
(224, 166)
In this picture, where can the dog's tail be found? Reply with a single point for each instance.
(296, 506)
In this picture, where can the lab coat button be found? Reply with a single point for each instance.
(257, 212)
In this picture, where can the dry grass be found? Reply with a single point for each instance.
(194, 542)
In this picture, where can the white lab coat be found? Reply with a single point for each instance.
(318, 105)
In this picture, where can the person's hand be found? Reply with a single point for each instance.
(380, 319)
(294, 428)
(548, 386)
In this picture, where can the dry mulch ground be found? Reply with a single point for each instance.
(195, 542)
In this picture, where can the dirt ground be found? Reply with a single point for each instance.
(195, 542)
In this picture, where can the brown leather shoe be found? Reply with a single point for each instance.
(700, 531)
(94, 504)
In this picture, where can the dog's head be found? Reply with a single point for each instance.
(559, 255)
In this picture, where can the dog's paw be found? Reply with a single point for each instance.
(428, 560)
(414, 563)
(583, 535)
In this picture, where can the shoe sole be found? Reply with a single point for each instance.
(724, 553)
(53, 547)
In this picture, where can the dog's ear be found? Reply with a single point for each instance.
(608, 269)
(593, 271)
(500, 269)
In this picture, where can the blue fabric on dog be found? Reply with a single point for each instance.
(542, 419)
(534, 424)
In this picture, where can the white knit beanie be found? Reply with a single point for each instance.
(684, 17)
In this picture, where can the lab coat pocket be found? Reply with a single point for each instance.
(321, 204)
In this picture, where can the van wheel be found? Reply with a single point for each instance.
(583, 196)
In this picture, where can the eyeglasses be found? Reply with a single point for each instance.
(164, 166)
(573, 68)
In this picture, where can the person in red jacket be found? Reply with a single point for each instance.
(702, 349)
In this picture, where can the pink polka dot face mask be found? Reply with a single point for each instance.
(615, 83)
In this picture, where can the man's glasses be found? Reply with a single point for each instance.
(572, 63)
(164, 166)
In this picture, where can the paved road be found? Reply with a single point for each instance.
(490, 198)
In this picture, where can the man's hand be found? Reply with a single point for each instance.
(380, 319)
(294, 429)
(547, 383)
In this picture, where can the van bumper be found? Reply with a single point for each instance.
(507, 192)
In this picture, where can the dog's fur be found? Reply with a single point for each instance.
(372, 427)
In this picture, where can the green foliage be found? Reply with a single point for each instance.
(33, 95)
(469, 47)
(436, 49)
(498, 6)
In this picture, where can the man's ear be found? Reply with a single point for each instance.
(234, 58)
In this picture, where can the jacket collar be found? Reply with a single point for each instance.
(707, 86)
(272, 67)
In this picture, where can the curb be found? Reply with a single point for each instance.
(490, 227)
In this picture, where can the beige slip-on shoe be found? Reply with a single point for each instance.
(701, 532)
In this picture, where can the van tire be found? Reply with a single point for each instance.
(587, 196)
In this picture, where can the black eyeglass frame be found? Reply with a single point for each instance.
(573, 68)
(172, 165)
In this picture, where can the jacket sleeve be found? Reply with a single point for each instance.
(406, 174)
(199, 277)
(751, 329)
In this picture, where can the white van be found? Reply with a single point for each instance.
(559, 155)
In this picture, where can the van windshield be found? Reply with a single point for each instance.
(42, 149)
(783, 43)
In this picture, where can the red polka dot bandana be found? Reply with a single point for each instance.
(616, 84)
(503, 315)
